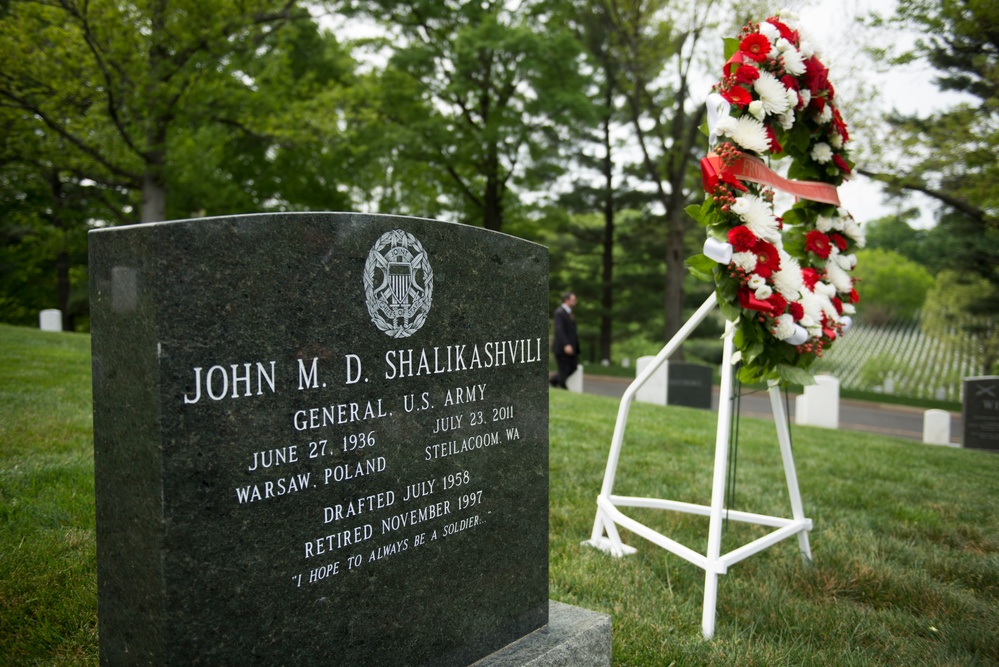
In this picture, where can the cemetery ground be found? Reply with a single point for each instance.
(906, 537)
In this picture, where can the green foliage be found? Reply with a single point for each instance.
(478, 96)
(958, 310)
(950, 154)
(890, 285)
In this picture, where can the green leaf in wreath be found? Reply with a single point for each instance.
(696, 212)
(702, 267)
(794, 375)
(731, 47)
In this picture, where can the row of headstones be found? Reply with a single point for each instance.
(690, 385)
(819, 406)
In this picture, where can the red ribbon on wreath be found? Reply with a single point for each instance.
(753, 169)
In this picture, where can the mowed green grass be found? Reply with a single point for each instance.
(905, 544)
(906, 538)
(48, 561)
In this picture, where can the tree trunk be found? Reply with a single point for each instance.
(153, 193)
(675, 272)
(154, 190)
(607, 279)
(492, 201)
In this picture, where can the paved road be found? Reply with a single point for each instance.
(895, 420)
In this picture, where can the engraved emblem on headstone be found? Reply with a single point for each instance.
(398, 284)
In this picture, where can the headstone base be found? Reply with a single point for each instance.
(574, 637)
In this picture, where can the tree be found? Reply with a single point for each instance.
(477, 95)
(957, 309)
(890, 285)
(112, 79)
(950, 155)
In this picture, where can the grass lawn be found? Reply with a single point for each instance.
(906, 538)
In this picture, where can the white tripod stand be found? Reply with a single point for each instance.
(605, 535)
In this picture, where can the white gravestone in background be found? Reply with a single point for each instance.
(819, 405)
(50, 319)
(575, 381)
(936, 427)
(654, 390)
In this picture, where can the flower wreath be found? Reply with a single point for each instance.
(785, 281)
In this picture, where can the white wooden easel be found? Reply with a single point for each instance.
(609, 516)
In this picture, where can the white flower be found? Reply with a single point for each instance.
(821, 153)
(846, 262)
(823, 224)
(785, 326)
(838, 223)
(755, 282)
(812, 303)
(824, 289)
(787, 119)
(745, 131)
(788, 280)
(836, 140)
(745, 261)
(763, 292)
(769, 31)
(756, 109)
(839, 278)
(826, 115)
(806, 97)
(772, 93)
(792, 99)
(758, 217)
(849, 309)
(852, 229)
(793, 62)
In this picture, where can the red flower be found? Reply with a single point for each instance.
(778, 302)
(839, 241)
(775, 146)
(731, 179)
(737, 96)
(741, 238)
(746, 74)
(797, 310)
(810, 277)
(756, 46)
(748, 300)
(818, 244)
(841, 163)
(767, 259)
(837, 304)
(854, 297)
(816, 76)
(840, 124)
(784, 31)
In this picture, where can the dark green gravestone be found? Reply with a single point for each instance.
(980, 412)
(689, 385)
(319, 439)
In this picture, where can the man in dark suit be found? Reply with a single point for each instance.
(566, 342)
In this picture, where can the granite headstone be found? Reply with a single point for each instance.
(689, 385)
(980, 412)
(319, 439)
